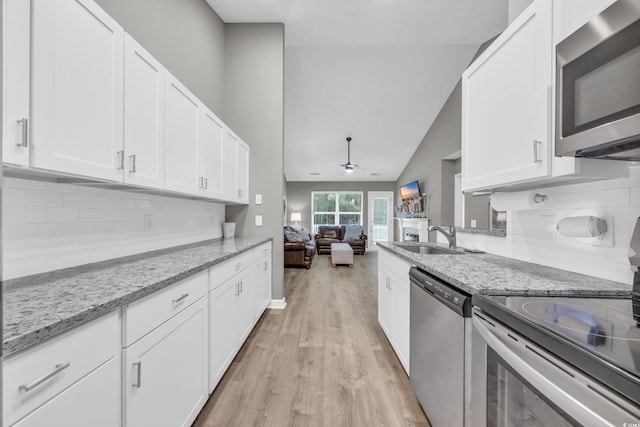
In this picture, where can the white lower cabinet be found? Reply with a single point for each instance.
(69, 380)
(92, 401)
(231, 320)
(394, 303)
(262, 286)
(165, 372)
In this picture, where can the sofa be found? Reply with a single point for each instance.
(351, 234)
(299, 248)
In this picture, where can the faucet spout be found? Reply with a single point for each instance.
(450, 235)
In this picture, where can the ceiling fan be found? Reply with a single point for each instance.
(349, 167)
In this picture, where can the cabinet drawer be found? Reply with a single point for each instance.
(222, 272)
(72, 355)
(261, 251)
(140, 317)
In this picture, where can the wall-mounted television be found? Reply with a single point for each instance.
(410, 190)
(411, 200)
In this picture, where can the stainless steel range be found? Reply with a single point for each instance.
(557, 360)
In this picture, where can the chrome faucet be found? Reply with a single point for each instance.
(450, 235)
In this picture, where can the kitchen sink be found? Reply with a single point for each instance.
(428, 250)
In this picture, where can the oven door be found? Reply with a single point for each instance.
(514, 382)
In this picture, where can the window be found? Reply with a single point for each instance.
(336, 208)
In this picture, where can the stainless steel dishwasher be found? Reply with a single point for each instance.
(440, 333)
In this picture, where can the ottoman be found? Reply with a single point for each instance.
(341, 253)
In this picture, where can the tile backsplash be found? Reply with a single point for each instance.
(531, 234)
(48, 226)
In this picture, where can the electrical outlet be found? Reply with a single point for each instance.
(259, 220)
(258, 199)
(148, 223)
(474, 223)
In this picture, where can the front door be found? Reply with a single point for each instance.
(380, 214)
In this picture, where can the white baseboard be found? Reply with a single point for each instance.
(278, 303)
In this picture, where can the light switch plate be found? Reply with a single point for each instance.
(258, 220)
(258, 199)
(474, 223)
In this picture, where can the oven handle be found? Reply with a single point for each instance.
(579, 411)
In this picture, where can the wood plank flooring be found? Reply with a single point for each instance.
(322, 361)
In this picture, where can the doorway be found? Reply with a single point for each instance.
(380, 215)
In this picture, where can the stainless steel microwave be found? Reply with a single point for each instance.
(598, 86)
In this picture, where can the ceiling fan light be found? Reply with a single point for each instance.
(348, 169)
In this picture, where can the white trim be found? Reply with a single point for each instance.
(278, 304)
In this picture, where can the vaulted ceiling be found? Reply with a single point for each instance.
(378, 71)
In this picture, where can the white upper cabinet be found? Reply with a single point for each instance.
(229, 168)
(77, 89)
(15, 81)
(182, 128)
(211, 135)
(242, 171)
(143, 117)
(506, 105)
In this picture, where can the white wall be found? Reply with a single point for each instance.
(531, 235)
(48, 226)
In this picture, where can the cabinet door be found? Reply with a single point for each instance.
(77, 89)
(16, 15)
(245, 313)
(223, 336)
(400, 323)
(165, 372)
(242, 171)
(229, 183)
(211, 166)
(506, 105)
(262, 286)
(182, 118)
(143, 117)
(384, 301)
(92, 401)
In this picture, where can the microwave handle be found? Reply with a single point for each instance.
(582, 413)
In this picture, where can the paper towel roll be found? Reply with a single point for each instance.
(519, 201)
(582, 226)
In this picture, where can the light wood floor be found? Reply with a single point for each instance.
(322, 361)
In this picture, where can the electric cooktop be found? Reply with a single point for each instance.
(600, 336)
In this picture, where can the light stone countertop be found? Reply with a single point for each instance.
(44, 305)
(495, 275)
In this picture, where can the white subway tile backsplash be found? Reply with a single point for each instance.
(12, 196)
(528, 231)
(48, 226)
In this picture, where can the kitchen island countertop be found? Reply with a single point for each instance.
(44, 305)
(489, 274)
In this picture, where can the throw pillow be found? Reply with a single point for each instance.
(292, 237)
(353, 232)
(330, 234)
(304, 235)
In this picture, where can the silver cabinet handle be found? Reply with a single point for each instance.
(132, 163)
(138, 366)
(201, 182)
(237, 288)
(180, 299)
(241, 287)
(59, 368)
(120, 155)
(24, 140)
(536, 143)
(206, 183)
(239, 193)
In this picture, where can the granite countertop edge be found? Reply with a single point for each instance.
(488, 274)
(22, 341)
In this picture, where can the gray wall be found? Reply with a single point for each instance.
(254, 109)
(186, 36)
(434, 174)
(299, 196)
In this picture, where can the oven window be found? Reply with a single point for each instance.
(511, 401)
(601, 86)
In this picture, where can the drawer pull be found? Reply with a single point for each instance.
(24, 124)
(179, 300)
(59, 368)
(138, 383)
